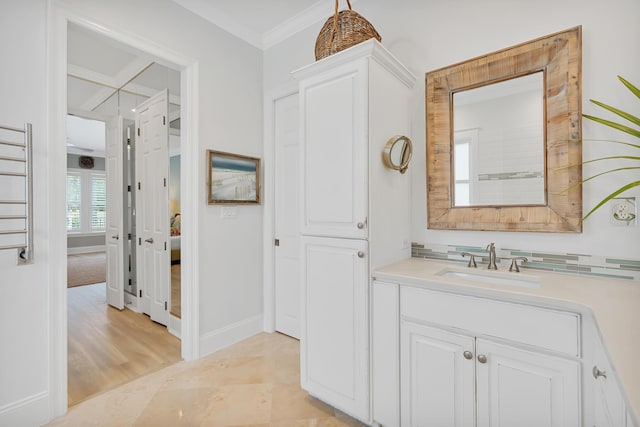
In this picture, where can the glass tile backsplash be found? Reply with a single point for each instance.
(569, 263)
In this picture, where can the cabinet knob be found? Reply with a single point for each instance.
(598, 373)
(482, 358)
(360, 254)
(360, 225)
(468, 355)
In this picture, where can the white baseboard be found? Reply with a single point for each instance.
(224, 337)
(175, 326)
(86, 249)
(30, 411)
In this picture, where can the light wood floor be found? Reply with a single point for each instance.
(176, 309)
(108, 347)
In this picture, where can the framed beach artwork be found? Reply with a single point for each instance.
(232, 178)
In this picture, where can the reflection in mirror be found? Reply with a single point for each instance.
(498, 136)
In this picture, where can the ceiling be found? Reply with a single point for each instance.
(107, 78)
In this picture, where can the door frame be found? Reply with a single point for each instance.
(58, 17)
(269, 220)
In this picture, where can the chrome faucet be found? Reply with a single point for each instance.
(491, 248)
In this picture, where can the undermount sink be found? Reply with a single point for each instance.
(491, 278)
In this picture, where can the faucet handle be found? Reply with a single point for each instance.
(514, 263)
(472, 260)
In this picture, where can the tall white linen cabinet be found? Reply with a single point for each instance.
(355, 213)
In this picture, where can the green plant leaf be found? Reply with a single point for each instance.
(631, 87)
(611, 140)
(597, 175)
(611, 196)
(618, 126)
(633, 119)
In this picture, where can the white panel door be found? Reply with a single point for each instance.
(287, 230)
(333, 156)
(115, 235)
(152, 206)
(525, 389)
(334, 342)
(437, 377)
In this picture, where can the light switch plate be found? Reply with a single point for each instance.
(624, 211)
(229, 212)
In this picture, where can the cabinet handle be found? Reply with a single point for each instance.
(360, 254)
(482, 358)
(598, 373)
(468, 355)
(360, 225)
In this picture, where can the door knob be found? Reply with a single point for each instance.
(360, 225)
(149, 240)
(598, 373)
(115, 237)
(468, 355)
(360, 254)
(482, 358)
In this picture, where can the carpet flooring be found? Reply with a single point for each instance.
(86, 269)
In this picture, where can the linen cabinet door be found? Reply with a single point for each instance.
(334, 197)
(334, 341)
(437, 377)
(526, 389)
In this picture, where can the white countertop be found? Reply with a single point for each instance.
(614, 304)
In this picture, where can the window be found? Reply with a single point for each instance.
(86, 201)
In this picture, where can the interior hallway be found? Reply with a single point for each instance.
(254, 382)
(108, 347)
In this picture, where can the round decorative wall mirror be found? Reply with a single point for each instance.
(397, 153)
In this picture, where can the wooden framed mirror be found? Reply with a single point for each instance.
(495, 163)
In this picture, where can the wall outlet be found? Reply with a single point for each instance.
(229, 212)
(624, 211)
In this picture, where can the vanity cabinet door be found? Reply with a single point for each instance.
(608, 405)
(522, 388)
(334, 342)
(437, 377)
(333, 152)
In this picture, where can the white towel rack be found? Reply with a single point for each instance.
(16, 214)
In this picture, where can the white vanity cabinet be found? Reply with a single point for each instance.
(469, 361)
(355, 213)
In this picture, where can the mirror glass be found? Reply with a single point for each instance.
(498, 137)
(397, 153)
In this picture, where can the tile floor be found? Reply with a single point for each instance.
(252, 383)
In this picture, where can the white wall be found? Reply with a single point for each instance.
(230, 106)
(24, 290)
(426, 35)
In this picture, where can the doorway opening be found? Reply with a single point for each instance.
(107, 79)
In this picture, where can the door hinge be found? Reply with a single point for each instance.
(165, 306)
(164, 120)
(165, 246)
(139, 241)
(276, 242)
(165, 182)
(129, 282)
(138, 131)
(128, 141)
(140, 292)
(129, 188)
(139, 185)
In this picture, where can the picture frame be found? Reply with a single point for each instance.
(232, 178)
